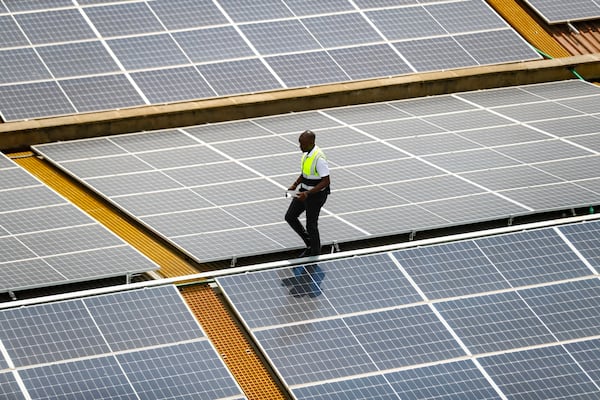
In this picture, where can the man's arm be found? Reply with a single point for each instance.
(321, 185)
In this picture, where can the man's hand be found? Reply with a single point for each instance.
(302, 196)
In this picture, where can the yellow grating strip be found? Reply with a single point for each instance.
(522, 22)
(171, 264)
(239, 356)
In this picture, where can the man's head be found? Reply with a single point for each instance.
(307, 141)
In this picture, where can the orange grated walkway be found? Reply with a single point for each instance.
(231, 343)
(171, 264)
(522, 22)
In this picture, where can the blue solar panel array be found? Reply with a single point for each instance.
(129, 345)
(58, 58)
(514, 316)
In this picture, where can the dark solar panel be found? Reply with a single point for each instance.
(496, 322)
(403, 337)
(462, 267)
(456, 380)
(98, 378)
(135, 344)
(123, 325)
(531, 257)
(569, 310)
(541, 373)
(319, 350)
(38, 335)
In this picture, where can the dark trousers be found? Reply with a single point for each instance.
(312, 205)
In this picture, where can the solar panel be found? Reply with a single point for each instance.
(569, 310)
(183, 14)
(32, 5)
(232, 45)
(124, 19)
(554, 11)
(531, 257)
(452, 16)
(94, 93)
(280, 37)
(100, 378)
(317, 350)
(360, 284)
(371, 387)
(54, 26)
(133, 344)
(586, 354)
(397, 167)
(10, 34)
(21, 65)
(402, 337)
(77, 59)
(438, 321)
(584, 238)
(545, 372)
(123, 327)
(434, 54)
(370, 61)
(38, 335)
(496, 322)
(459, 379)
(214, 44)
(186, 369)
(47, 241)
(462, 267)
(32, 100)
(10, 387)
(237, 77)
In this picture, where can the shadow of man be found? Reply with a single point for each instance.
(306, 281)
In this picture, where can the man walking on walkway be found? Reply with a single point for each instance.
(313, 189)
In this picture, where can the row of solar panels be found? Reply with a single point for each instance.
(46, 241)
(506, 316)
(69, 60)
(216, 190)
(143, 344)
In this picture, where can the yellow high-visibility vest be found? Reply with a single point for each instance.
(310, 176)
